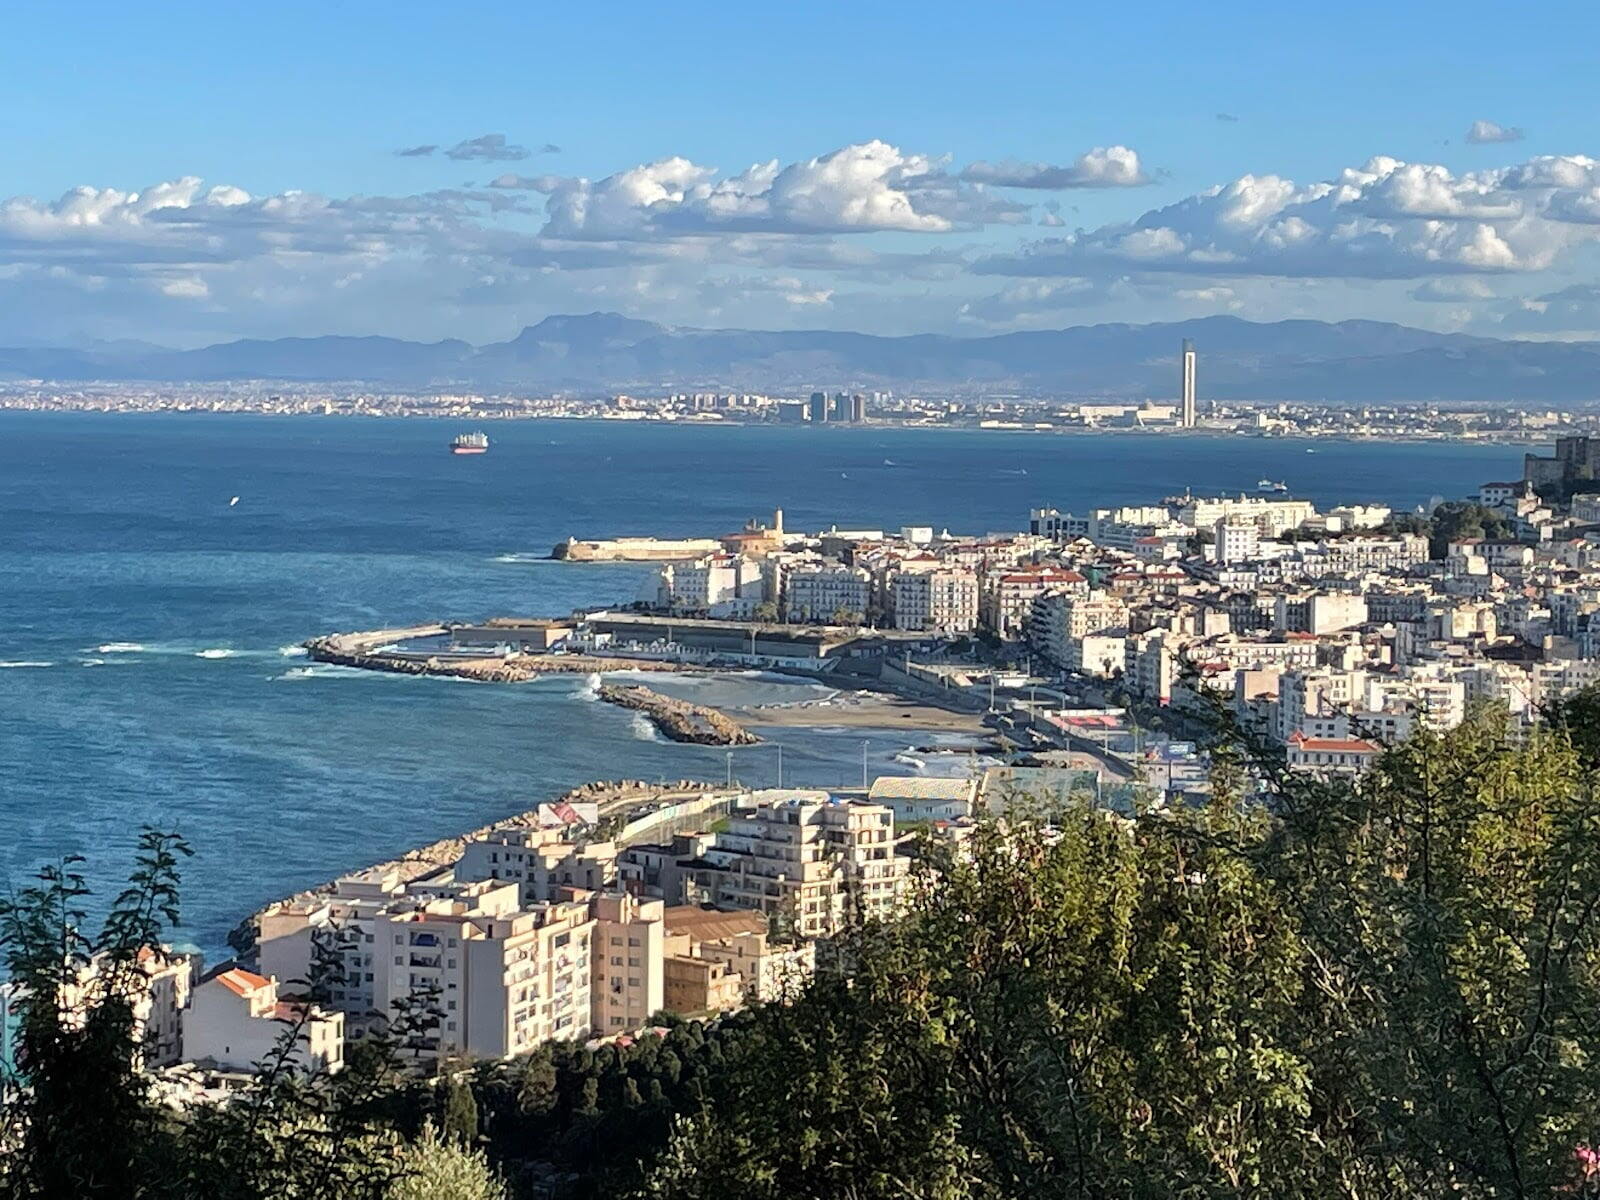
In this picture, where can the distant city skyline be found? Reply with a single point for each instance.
(210, 176)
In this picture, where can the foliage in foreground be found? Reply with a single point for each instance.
(1373, 990)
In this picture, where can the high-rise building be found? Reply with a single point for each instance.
(1188, 383)
(858, 408)
(818, 410)
(841, 407)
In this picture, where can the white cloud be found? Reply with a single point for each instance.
(1102, 167)
(1485, 132)
(490, 147)
(1384, 220)
(864, 188)
(816, 240)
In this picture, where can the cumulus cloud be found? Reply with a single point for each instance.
(790, 242)
(491, 147)
(863, 188)
(1385, 220)
(416, 151)
(1102, 167)
(1486, 132)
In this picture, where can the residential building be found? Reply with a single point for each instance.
(236, 1021)
(826, 593)
(936, 601)
(811, 861)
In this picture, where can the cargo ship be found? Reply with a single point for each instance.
(470, 443)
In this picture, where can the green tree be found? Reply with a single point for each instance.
(439, 1168)
(460, 1118)
(82, 1123)
(1456, 520)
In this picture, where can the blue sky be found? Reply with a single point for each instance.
(901, 139)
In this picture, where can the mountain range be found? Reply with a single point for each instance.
(1298, 360)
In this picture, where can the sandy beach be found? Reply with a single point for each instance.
(873, 710)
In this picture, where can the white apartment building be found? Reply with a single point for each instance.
(1345, 555)
(1331, 756)
(1237, 539)
(1150, 662)
(1318, 612)
(935, 601)
(1008, 597)
(1271, 516)
(815, 593)
(714, 581)
(236, 1021)
(539, 861)
(1061, 622)
(804, 857)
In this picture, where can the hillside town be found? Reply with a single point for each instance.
(1096, 645)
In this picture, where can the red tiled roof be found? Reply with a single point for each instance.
(1334, 745)
(241, 982)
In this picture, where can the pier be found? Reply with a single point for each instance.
(375, 650)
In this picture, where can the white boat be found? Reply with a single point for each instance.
(1269, 485)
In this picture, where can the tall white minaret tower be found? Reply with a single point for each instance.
(1188, 383)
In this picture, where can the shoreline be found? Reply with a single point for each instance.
(611, 795)
(865, 427)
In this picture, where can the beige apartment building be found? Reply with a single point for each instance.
(539, 860)
(803, 857)
(160, 983)
(739, 941)
(502, 979)
(628, 972)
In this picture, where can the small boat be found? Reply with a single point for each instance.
(470, 443)
(1268, 485)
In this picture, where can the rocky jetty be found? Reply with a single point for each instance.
(364, 651)
(678, 719)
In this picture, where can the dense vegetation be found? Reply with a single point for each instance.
(1301, 989)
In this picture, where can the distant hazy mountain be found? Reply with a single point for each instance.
(1349, 361)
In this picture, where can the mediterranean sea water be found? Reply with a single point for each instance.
(148, 623)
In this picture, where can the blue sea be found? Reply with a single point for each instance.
(148, 626)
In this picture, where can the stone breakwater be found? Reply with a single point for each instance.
(678, 719)
(365, 652)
